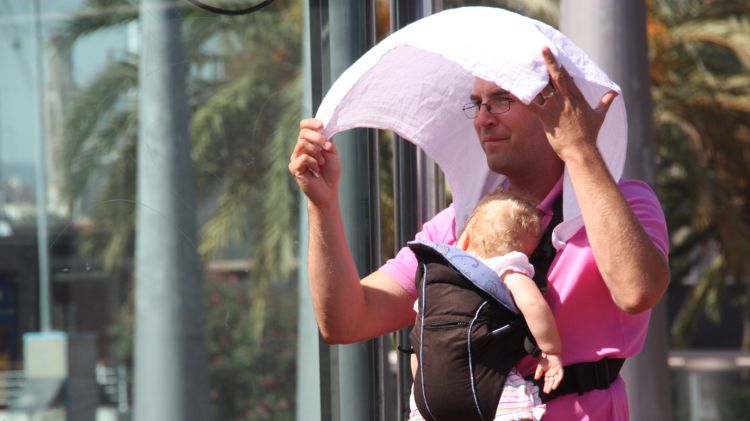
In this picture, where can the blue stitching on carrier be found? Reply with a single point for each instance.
(471, 362)
(421, 337)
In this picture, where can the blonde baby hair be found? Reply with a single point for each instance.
(502, 222)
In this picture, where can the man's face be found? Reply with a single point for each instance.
(513, 141)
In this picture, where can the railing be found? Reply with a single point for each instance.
(10, 386)
(113, 381)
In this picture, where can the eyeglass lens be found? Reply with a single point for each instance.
(494, 106)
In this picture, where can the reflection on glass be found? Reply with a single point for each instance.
(243, 91)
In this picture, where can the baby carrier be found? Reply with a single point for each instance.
(467, 337)
(469, 334)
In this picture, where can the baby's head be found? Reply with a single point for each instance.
(501, 223)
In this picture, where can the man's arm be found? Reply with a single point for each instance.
(634, 269)
(347, 309)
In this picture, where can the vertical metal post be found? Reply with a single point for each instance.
(418, 193)
(346, 371)
(40, 175)
(352, 33)
(613, 32)
(313, 385)
(170, 380)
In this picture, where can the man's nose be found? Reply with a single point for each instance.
(485, 117)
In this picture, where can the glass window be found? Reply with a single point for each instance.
(148, 224)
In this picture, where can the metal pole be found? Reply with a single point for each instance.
(312, 386)
(40, 175)
(417, 194)
(170, 380)
(613, 32)
(352, 32)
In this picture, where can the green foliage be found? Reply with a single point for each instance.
(244, 98)
(701, 89)
(250, 379)
(96, 15)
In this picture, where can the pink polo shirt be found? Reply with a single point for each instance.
(591, 326)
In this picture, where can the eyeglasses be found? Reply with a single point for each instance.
(494, 106)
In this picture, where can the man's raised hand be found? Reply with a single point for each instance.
(315, 163)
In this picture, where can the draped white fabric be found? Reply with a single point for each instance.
(416, 81)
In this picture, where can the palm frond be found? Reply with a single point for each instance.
(227, 130)
(97, 15)
(685, 323)
(113, 210)
(91, 131)
(732, 34)
(279, 208)
(229, 222)
(276, 253)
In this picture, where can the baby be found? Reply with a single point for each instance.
(502, 231)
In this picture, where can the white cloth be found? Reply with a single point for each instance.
(416, 81)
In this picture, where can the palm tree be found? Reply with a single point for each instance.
(244, 100)
(701, 88)
(244, 95)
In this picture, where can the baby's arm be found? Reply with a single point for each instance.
(538, 315)
(535, 310)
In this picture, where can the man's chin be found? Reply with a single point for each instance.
(498, 167)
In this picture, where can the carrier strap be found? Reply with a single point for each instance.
(470, 267)
(583, 377)
(541, 258)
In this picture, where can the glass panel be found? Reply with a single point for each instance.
(73, 213)
(710, 395)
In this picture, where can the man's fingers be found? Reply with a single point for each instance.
(315, 137)
(552, 66)
(561, 81)
(606, 102)
(556, 72)
(304, 147)
(311, 123)
(312, 136)
(304, 164)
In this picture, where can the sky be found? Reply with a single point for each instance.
(19, 95)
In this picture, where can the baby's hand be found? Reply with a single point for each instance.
(551, 366)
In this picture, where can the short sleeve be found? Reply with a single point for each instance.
(403, 267)
(514, 261)
(646, 208)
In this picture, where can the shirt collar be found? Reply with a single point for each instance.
(546, 204)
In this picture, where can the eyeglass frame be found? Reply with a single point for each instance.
(474, 108)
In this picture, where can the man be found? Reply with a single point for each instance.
(601, 285)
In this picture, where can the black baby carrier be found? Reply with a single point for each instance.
(469, 334)
(467, 337)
